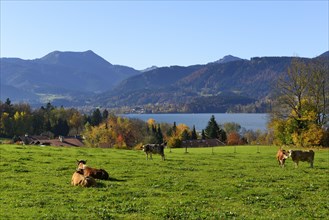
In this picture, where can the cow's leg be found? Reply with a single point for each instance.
(151, 156)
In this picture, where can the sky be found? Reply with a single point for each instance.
(141, 34)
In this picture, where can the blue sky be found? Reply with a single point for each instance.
(163, 33)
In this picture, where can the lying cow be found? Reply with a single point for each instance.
(95, 173)
(281, 156)
(298, 155)
(79, 179)
(150, 149)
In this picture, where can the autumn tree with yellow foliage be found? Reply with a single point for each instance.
(300, 111)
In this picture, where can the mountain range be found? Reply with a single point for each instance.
(64, 77)
(86, 79)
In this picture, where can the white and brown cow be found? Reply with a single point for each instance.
(281, 156)
(298, 155)
(150, 149)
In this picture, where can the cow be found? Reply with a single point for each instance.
(281, 156)
(150, 149)
(95, 173)
(79, 179)
(298, 155)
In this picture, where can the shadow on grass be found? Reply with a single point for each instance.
(116, 180)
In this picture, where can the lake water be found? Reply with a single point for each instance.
(246, 120)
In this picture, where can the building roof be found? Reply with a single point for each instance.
(75, 141)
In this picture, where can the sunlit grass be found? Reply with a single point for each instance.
(243, 182)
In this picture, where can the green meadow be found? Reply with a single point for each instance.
(243, 182)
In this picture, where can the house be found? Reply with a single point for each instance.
(61, 141)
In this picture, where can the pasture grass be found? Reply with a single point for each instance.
(35, 184)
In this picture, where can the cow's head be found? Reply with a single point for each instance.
(81, 164)
(81, 161)
(290, 153)
(285, 154)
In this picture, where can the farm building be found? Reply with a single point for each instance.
(61, 141)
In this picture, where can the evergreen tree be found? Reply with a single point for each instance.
(8, 102)
(96, 117)
(194, 135)
(61, 128)
(159, 135)
(105, 114)
(47, 126)
(203, 135)
(174, 128)
(212, 129)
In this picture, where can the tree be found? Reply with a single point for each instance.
(203, 135)
(214, 131)
(96, 117)
(300, 108)
(76, 121)
(177, 134)
(22, 123)
(234, 138)
(194, 135)
(159, 135)
(105, 114)
(232, 127)
(61, 128)
(185, 135)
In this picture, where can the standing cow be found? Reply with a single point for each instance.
(281, 156)
(298, 155)
(150, 149)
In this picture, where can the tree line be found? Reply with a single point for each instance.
(104, 129)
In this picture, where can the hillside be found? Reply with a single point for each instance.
(61, 76)
(215, 87)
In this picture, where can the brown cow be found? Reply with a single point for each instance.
(95, 173)
(298, 155)
(281, 156)
(79, 179)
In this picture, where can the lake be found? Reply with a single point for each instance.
(246, 120)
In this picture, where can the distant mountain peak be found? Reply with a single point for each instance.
(226, 59)
(149, 69)
(63, 56)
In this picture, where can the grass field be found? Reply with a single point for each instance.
(35, 184)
